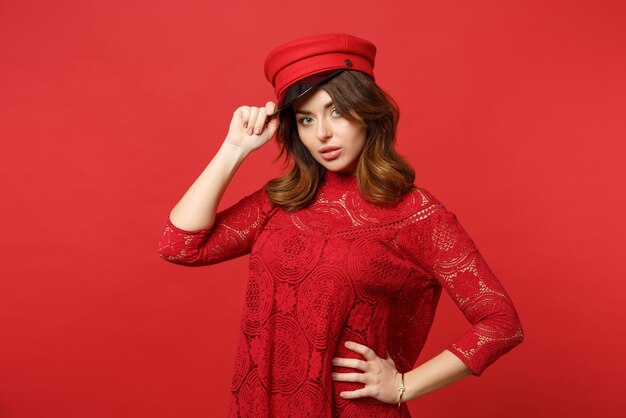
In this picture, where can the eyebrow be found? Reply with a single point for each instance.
(306, 112)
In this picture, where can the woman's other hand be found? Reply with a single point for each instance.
(248, 129)
(380, 377)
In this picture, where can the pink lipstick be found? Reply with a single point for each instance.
(330, 153)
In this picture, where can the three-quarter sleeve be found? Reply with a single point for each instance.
(440, 246)
(232, 234)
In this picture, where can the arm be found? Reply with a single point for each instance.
(440, 246)
(195, 234)
(435, 243)
(197, 208)
(439, 371)
(231, 235)
(247, 132)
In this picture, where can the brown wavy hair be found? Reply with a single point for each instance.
(383, 175)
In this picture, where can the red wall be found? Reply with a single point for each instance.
(513, 114)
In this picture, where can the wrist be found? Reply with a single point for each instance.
(400, 387)
(235, 151)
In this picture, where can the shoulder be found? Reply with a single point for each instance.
(419, 202)
(428, 224)
(423, 213)
(422, 197)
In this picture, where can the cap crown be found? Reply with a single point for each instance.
(296, 60)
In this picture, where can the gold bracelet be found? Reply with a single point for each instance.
(401, 390)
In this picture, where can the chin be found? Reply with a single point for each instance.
(342, 170)
(337, 168)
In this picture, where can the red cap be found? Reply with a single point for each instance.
(296, 60)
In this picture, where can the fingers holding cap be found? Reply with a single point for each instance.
(270, 107)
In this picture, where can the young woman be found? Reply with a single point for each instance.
(348, 256)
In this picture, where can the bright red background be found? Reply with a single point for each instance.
(513, 114)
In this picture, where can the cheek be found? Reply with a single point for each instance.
(359, 140)
(307, 144)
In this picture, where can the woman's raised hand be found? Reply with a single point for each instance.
(248, 129)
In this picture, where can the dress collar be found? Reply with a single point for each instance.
(337, 180)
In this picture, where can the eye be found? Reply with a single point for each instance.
(302, 120)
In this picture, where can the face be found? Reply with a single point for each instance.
(333, 140)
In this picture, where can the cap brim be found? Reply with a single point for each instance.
(303, 88)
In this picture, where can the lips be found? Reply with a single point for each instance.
(330, 153)
(329, 148)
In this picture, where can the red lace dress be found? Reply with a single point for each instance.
(344, 269)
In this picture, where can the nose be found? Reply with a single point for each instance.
(323, 131)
